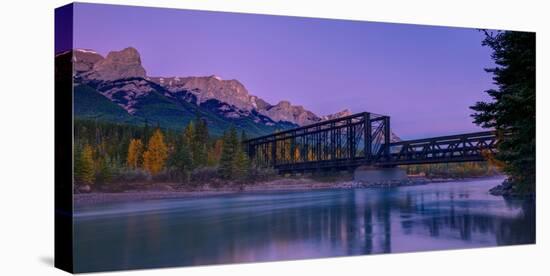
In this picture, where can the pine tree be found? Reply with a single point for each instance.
(135, 154)
(155, 156)
(146, 132)
(104, 170)
(189, 138)
(199, 145)
(512, 108)
(242, 163)
(227, 167)
(84, 166)
(189, 132)
(181, 158)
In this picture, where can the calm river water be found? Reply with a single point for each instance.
(249, 227)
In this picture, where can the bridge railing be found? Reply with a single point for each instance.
(361, 139)
(359, 136)
(452, 148)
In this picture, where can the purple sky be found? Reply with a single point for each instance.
(424, 77)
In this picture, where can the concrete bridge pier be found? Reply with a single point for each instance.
(372, 174)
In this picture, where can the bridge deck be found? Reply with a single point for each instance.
(362, 139)
(446, 149)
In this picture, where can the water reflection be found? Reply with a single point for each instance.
(291, 225)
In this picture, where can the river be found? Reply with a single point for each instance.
(268, 226)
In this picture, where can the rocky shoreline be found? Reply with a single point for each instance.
(167, 191)
(507, 190)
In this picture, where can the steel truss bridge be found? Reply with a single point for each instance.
(361, 139)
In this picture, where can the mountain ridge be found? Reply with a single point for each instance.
(121, 78)
(126, 63)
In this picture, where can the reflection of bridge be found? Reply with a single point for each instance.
(361, 139)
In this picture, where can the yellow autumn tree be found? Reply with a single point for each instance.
(135, 152)
(311, 155)
(297, 154)
(489, 156)
(287, 152)
(154, 158)
(215, 152)
(84, 166)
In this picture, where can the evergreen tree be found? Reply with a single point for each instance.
(146, 132)
(199, 144)
(234, 162)
(104, 170)
(155, 156)
(511, 110)
(84, 166)
(189, 138)
(189, 132)
(227, 166)
(181, 158)
(241, 161)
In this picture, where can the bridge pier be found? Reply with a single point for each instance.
(372, 174)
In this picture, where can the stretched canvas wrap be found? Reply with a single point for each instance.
(189, 138)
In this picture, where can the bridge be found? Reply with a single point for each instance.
(362, 139)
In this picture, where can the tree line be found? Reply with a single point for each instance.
(105, 151)
(453, 170)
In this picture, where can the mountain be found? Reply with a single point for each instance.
(84, 60)
(136, 100)
(212, 87)
(117, 65)
(91, 104)
(117, 88)
(235, 93)
(343, 113)
(284, 111)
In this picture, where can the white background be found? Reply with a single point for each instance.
(27, 136)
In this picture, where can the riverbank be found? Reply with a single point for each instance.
(168, 191)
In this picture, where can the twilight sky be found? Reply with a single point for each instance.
(424, 77)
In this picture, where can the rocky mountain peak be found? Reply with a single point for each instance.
(128, 55)
(210, 87)
(283, 104)
(285, 111)
(118, 65)
(84, 60)
(343, 113)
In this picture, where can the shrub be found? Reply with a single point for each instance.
(204, 175)
(163, 176)
(256, 174)
(175, 175)
(132, 176)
